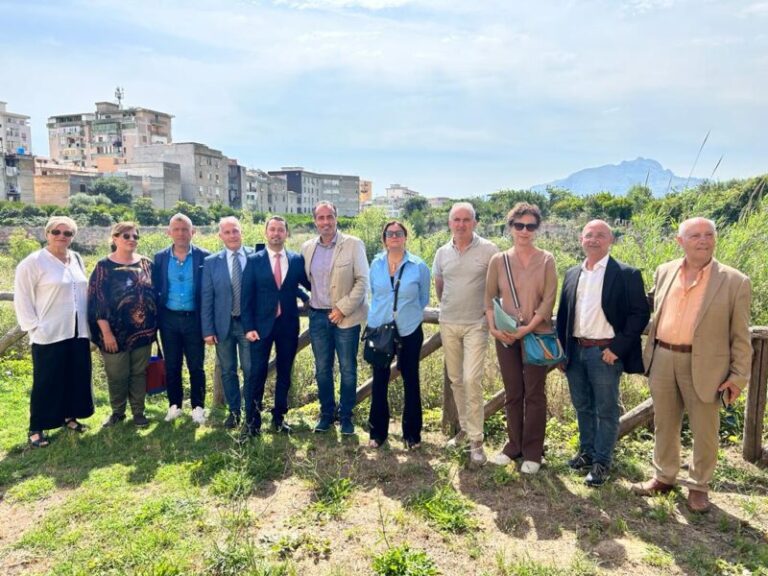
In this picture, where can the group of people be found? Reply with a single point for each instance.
(245, 302)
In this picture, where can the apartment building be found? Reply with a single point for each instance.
(268, 194)
(203, 171)
(15, 132)
(311, 187)
(111, 132)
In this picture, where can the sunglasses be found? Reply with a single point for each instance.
(394, 234)
(126, 236)
(67, 233)
(519, 226)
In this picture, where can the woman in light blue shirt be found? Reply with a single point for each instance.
(413, 297)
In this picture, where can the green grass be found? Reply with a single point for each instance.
(31, 490)
(444, 508)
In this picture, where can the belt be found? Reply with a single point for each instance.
(236, 317)
(327, 310)
(589, 342)
(683, 348)
(181, 312)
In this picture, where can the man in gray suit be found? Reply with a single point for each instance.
(220, 313)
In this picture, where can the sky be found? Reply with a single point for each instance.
(448, 97)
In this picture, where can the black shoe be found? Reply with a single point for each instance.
(112, 420)
(232, 421)
(140, 421)
(597, 476)
(581, 462)
(279, 425)
(324, 424)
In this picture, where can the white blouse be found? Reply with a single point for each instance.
(49, 295)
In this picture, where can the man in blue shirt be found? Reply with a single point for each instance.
(177, 278)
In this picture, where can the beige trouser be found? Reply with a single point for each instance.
(672, 392)
(464, 347)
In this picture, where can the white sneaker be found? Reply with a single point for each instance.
(173, 413)
(530, 467)
(501, 459)
(198, 415)
(477, 454)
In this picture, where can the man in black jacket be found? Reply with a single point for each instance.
(603, 312)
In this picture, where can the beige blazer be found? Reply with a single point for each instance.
(722, 346)
(349, 277)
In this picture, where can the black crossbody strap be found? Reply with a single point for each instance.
(397, 289)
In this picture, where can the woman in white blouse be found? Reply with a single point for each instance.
(50, 296)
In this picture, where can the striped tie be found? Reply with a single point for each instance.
(237, 283)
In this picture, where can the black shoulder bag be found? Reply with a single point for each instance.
(380, 344)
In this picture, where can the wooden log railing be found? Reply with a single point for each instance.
(641, 415)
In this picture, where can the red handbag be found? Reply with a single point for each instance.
(155, 374)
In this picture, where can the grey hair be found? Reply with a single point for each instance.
(229, 220)
(681, 229)
(182, 217)
(462, 206)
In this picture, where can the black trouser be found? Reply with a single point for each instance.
(285, 337)
(408, 364)
(61, 383)
(182, 338)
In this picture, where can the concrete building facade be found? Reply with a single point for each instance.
(17, 177)
(110, 132)
(311, 187)
(15, 132)
(268, 194)
(365, 193)
(204, 172)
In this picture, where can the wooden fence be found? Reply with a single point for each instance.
(642, 414)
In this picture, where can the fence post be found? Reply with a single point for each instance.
(450, 414)
(752, 449)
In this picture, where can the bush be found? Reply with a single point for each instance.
(21, 244)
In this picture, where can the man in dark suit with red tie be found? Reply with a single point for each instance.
(270, 314)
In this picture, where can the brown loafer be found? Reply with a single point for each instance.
(698, 501)
(650, 487)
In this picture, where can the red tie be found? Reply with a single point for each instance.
(278, 279)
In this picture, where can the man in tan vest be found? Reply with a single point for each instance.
(698, 354)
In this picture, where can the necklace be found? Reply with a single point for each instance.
(393, 265)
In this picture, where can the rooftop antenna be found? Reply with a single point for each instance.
(119, 94)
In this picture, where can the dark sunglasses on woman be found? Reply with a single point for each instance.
(127, 236)
(67, 233)
(519, 226)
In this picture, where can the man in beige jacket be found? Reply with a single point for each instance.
(337, 268)
(698, 354)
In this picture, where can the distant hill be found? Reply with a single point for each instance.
(618, 178)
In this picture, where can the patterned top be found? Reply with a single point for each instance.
(122, 294)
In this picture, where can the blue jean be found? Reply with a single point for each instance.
(327, 339)
(227, 352)
(594, 387)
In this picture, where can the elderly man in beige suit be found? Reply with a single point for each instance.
(698, 352)
(337, 268)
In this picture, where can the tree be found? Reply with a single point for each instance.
(639, 196)
(144, 212)
(416, 203)
(118, 190)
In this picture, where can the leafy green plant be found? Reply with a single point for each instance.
(444, 508)
(402, 561)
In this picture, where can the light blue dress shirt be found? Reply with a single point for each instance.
(413, 294)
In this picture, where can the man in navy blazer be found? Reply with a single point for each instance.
(271, 284)
(177, 279)
(603, 312)
(221, 313)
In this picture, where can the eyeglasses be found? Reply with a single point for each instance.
(126, 236)
(67, 233)
(519, 226)
(394, 234)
